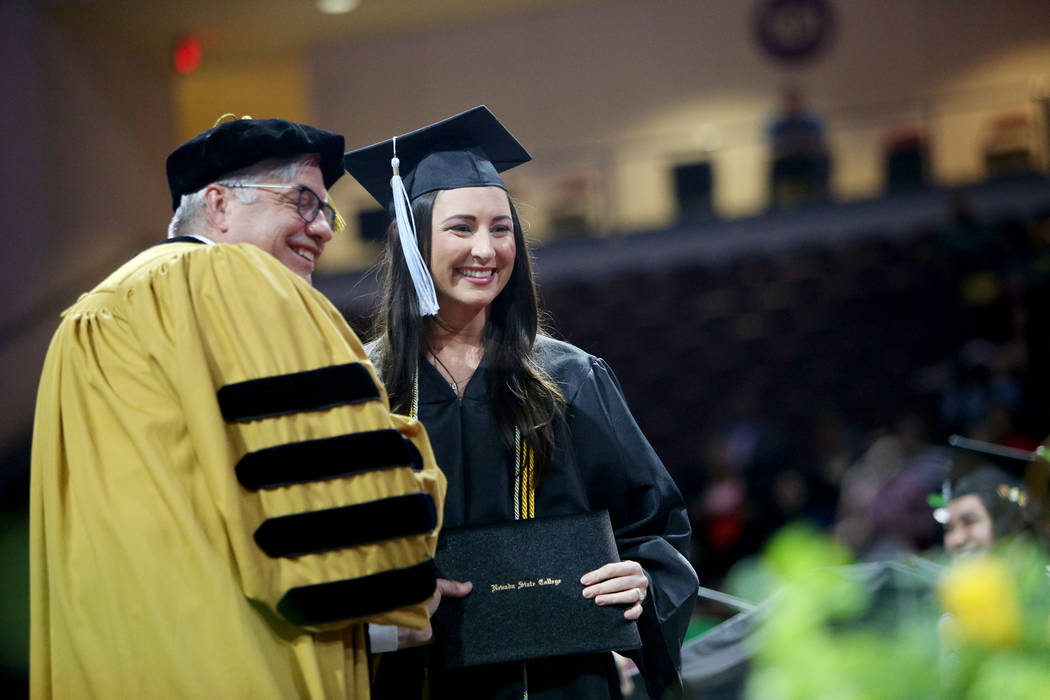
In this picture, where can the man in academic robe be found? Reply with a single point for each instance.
(221, 499)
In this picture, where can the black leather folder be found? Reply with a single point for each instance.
(527, 600)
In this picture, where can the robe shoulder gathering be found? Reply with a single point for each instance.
(220, 497)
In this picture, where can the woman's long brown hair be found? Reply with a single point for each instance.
(521, 393)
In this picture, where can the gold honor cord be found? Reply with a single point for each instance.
(524, 479)
(413, 412)
(524, 508)
(524, 483)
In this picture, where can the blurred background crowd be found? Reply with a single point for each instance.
(812, 237)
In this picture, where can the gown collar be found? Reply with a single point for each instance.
(434, 388)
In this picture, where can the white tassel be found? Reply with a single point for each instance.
(406, 231)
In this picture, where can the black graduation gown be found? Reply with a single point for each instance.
(602, 461)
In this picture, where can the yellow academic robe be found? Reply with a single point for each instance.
(220, 497)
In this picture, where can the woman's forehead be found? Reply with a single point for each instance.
(472, 197)
(966, 504)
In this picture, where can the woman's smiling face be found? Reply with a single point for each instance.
(969, 529)
(472, 247)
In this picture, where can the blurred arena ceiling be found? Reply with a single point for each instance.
(231, 30)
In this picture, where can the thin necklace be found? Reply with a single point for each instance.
(451, 379)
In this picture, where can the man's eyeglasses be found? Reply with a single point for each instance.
(307, 206)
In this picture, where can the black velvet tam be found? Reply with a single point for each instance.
(467, 150)
(237, 144)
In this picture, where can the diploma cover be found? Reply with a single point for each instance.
(527, 600)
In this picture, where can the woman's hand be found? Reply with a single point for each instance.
(408, 637)
(618, 583)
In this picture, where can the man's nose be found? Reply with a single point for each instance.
(320, 228)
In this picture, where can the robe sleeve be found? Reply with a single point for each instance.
(623, 474)
(330, 505)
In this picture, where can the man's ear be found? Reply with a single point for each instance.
(217, 205)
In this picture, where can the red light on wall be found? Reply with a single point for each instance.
(187, 56)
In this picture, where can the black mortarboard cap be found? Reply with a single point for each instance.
(969, 454)
(233, 145)
(467, 150)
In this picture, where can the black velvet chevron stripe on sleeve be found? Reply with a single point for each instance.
(337, 528)
(327, 458)
(358, 597)
(312, 390)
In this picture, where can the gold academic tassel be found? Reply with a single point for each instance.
(230, 115)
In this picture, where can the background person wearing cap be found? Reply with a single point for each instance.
(522, 425)
(983, 508)
(988, 496)
(220, 496)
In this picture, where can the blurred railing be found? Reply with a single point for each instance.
(613, 187)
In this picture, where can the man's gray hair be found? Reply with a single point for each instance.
(190, 217)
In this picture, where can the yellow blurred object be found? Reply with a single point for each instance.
(980, 596)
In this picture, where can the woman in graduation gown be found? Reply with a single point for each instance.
(522, 425)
